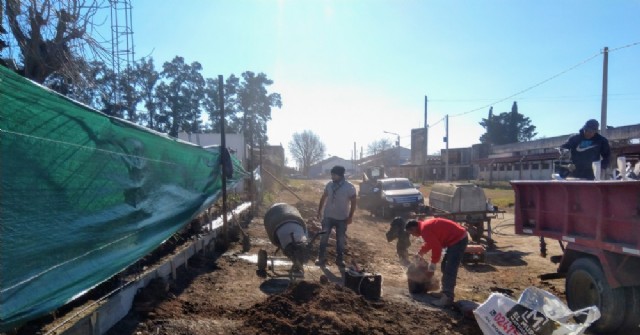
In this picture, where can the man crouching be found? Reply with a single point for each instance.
(397, 232)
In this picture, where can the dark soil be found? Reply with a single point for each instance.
(223, 292)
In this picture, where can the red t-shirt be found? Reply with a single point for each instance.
(439, 233)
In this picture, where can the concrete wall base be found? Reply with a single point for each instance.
(100, 317)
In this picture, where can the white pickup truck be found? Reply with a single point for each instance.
(392, 196)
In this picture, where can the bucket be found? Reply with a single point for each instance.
(417, 279)
(622, 167)
(597, 169)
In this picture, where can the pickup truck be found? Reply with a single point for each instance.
(390, 197)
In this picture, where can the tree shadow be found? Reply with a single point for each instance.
(478, 267)
(506, 258)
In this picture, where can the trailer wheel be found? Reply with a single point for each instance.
(262, 260)
(586, 285)
(632, 310)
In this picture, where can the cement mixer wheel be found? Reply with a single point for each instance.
(262, 260)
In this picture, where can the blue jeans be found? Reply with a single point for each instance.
(450, 265)
(341, 235)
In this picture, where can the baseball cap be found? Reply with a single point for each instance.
(591, 125)
(338, 170)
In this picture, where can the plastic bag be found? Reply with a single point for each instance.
(537, 312)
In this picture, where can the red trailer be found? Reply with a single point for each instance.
(598, 226)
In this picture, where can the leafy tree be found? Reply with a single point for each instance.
(507, 128)
(254, 105)
(104, 85)
(129, 96)
(95, 84)
(212, 108)
(378, 146)
(50, 34)
(144, 78)
(179, 96)
(307, 149)
(78, 85)
(92, 83)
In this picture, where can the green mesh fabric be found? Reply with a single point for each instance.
(84, 195)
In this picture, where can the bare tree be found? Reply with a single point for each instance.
(378, 146)
(306, 149)
(50, 34)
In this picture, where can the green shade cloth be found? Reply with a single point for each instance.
(84, 195)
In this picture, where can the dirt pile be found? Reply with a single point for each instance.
(311, 308)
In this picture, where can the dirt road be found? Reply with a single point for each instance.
(222, 294)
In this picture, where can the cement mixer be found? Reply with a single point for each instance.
(287, 231)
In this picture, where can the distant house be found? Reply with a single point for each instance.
(323, 168)
(395, 156)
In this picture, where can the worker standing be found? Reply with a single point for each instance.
(437, 234)
(587, 147)
(339, 203)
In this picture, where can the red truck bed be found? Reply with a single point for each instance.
(597, 214)
(599, 224)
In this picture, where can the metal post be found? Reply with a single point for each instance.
(446, 139)
(223, 146)
(426, 143)
(355, 158)
(603, 108)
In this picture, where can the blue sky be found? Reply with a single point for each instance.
(349, 70)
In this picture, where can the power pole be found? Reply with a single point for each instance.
(223, 146)
(426, 143)
(446, 152)
(353, 162)
(605, 78)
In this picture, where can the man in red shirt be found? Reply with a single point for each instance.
(437, 234)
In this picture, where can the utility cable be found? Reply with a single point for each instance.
(530, 87)
(432, 125)
(548, 79)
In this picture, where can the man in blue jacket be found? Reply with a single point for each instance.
(587, 147)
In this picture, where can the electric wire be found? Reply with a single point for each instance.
(530, 87)
(548, 79)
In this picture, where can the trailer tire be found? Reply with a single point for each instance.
(632, 310)
(586, 285)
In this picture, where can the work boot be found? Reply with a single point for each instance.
(444, 301)
(436, 295)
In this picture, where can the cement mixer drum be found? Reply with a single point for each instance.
(286, 230)
(278, 215)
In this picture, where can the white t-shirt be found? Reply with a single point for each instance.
(338, 202)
